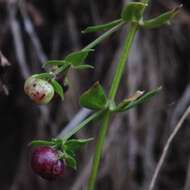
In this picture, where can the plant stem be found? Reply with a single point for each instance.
(120, 68)
(99, 146)
(81, 125)
(103, 36)
(114, 87)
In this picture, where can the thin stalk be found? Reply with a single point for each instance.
(81, 125)
(99, 145)
(113, 90)
(124, 55)
(114, 87)
(104, 36)
(167, 147)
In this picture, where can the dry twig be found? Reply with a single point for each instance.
(166, 148)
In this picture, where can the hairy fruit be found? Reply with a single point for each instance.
(46, 163)
(39, 90)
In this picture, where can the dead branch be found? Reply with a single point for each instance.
(167, 147)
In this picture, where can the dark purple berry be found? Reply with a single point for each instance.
(46, 163)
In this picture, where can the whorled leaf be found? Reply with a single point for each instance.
(102, 27)
(81, 67)
(77, 58)
(131, 103)
(44, 76)
(41, 143)
(70, 160)
(56, 62)
(58, 88)
(75, 144)
(94, 98)
(132, 11)
(164, 18)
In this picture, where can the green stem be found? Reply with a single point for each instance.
(114, 87)
(81, 125)
(124, 55)
(113, 90)
(104, 36)
(99, 145)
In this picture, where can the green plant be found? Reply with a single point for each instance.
(95, 98)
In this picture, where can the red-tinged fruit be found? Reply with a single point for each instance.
(46, 163)
(39, 90)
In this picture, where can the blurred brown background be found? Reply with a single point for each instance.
(33, 31)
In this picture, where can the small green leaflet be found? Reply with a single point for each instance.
(94, 98)
(128, 104)
(130, 99)
(70, 159)
(70, 147)
(132, 12)
(164, 18)
(77, 58)
(41, 143)
(102, 27)
(57, 62)
(58, 88)
(44, 76)
(75, 144)
(81, 67)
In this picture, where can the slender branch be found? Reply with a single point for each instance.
(81, 125)
(114, 87)
(104, 36)
(112, 93)
(166, 148)
(97, 156)
(77, 119)
(120, 68)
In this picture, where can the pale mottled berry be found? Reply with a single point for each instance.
(39, 90)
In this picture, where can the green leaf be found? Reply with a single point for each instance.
(44, 76)
(131, 104)
(70, 160)
(77, 58)
(128, 100)
(75, 144)
(41, 143)
(132, 12)
(58, 88)
(102, 27)
(81, 67)
(94, 98)
(57, 62)
(164, 18)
